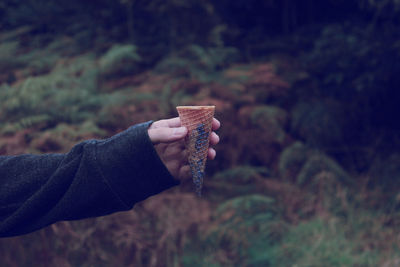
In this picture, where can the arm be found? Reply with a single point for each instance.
(95, 178)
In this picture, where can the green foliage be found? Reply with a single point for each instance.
(199, 62)
(339, 53)
(63, 137)
(213, 59)
(375, 3)
(30, 62)
(75, 133)
(384, 176)
(381, 9)
(241, 174)
(67, 94)
(318, 163)
(123, 108)
(292, 160)
(322, 242)
(33, 121)
(7, 56)
(51, 15)
(318, 123)
(119, 60)
(246, 228)
(56, 94)
(244, 207)
(272, 120)
(36, 94)
(237, 181)
(331, 242)
(193, 258)
(387, 170)
(357, 67)
(173, 24)
(43, 65)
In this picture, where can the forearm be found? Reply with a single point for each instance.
(95, 178)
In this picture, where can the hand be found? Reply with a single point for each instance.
(168, 139)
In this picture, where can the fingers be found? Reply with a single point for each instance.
(215, 124)
(171, 123)
(176, 122)
(211, 153)
(166, 135)
(170, 130)
(214, 139)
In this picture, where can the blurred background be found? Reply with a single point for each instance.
(308, 169)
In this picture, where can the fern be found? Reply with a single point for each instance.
(320, 243)
(119, 60)
(322, 163)
(67, 94)
(292, 160)
(272, 120)
(8, 61)
(32, 121)
(247, 228)
(384, 173)
(202, 63)
(239, 180)
(241, 174)
(320, 124)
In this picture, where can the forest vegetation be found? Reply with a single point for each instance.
(308, 168)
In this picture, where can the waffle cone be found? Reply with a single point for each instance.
(198, 121)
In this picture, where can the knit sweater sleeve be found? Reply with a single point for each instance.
(97, 177)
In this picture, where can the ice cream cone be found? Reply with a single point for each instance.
(198, 121)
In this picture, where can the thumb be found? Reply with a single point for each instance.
(166, 135)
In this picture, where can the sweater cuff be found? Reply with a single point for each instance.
(131, 166)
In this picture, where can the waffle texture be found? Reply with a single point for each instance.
(198, 121)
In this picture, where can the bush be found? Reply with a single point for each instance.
(198, 62)
(358, 68)
(272, 120)
(8, 50)
(319, 123)
(384, 176)
(67, 94)
(292, 160)
(318, 163)
(323, 243)
(118, 61)
(244, 231)
(236, 181)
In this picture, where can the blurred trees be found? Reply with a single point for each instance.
(177, 22)
(159, 27)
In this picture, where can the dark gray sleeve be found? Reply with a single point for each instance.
(97, 177)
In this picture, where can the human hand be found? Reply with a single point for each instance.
(168, 139)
